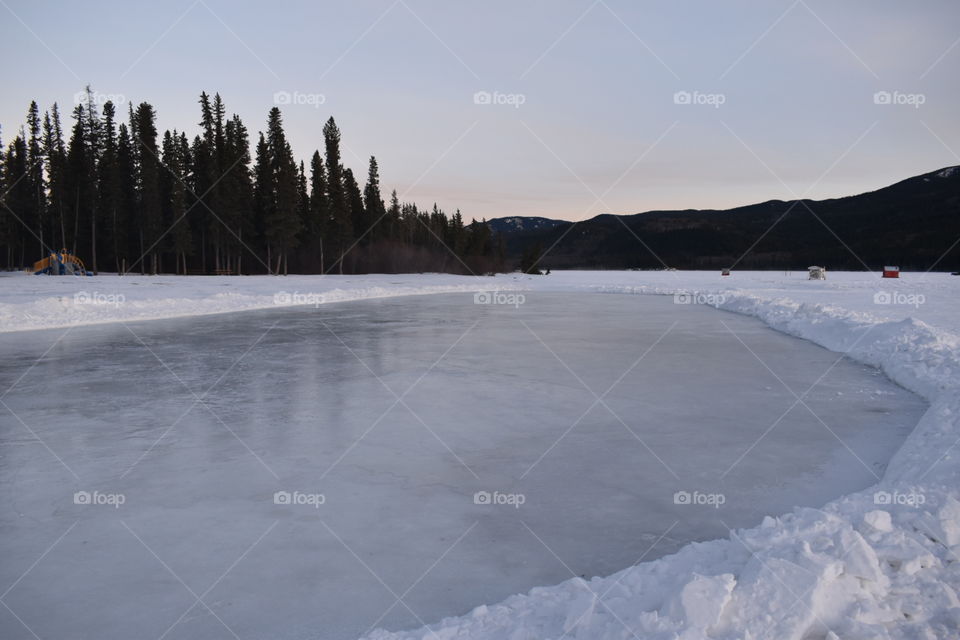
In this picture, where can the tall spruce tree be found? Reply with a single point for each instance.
(56, 159)
(375, 210)
(341, 224)
(303, 200)
(358, 214)
(17, 200)
(237, 193)
(173, 191)
(148, 193)
(207, 180)
(283, 221)
(318, 215)
(5, 218)
(108, 182)
(393, 217)
(35, 214)
(125, 212)
(263, 193)
(80, 185)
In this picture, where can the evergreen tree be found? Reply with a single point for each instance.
(373, 202)
(56, 161)
(207, 178)
(35, 212)
(238, 192)
(5, 218)
(148, 192)
(93, 126)
(358, 216)
(393, 217)
(283, 221)
(342, 228)
(215, 188)
(108, 181)
(318, 216)
(80, 188)
(125, 210)
(501, 253)
(174, 197)
(263, 192)
(303, 198)
(17, 200)
(530, 261)
(457, 236)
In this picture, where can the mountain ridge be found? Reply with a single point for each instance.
(914, 222)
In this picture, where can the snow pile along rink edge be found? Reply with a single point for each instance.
(880, 564)
(108, 303)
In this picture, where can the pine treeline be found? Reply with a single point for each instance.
(126, 198)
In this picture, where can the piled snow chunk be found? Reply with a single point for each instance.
(701, 602)
(878, 520)
(808, 574)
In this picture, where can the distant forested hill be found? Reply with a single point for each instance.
(914, 224)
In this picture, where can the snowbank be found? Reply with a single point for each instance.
(39, 302)
(883, 563)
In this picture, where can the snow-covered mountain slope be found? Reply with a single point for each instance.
(522, 223)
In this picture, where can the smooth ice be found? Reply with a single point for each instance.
(592, 410)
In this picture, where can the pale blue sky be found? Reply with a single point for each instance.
(599, 129)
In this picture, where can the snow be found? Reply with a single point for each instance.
(878, 563)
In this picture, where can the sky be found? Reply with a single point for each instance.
(556, 108)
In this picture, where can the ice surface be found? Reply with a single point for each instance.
(198, 422)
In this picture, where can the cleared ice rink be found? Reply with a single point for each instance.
(605, 415)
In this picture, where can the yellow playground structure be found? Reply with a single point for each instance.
(60, 264)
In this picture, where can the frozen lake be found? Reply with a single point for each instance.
(593, 411)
